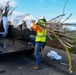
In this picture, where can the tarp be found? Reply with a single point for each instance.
(54, 55)
(28, 18)
(5, 25)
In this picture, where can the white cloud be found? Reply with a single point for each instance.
(2, 1)
(16, 13)
(12, 2)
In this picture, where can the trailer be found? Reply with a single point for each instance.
(16, 41)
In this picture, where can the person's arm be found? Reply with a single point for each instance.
(36, 27)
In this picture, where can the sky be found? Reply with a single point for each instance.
(47, 8)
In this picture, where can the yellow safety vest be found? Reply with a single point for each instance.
(41, 37)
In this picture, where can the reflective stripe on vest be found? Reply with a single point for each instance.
(41, 37)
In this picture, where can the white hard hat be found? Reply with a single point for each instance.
(41, 17)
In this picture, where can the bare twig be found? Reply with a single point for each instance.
(56, 17)
(63, 9)
(67, 18)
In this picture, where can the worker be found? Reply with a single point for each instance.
(38, 40)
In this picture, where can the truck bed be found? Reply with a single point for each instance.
(7, 46)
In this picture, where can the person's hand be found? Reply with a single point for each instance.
(30, 27)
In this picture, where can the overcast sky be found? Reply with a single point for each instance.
(47, 8)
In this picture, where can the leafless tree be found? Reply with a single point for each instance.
(6, 9)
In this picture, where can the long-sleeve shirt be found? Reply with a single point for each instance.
(36, 27)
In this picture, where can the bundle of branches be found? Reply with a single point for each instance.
(55, 27)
